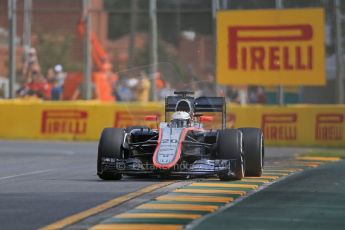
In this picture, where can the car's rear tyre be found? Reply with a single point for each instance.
(110, 146)
(230, 148)
(254, 151)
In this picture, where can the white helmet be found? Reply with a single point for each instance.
(180, 119)
(180, 115)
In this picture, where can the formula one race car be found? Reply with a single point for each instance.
(181, 146)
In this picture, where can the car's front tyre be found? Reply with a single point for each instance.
(254, 151)
(109, 147)
(230, 148)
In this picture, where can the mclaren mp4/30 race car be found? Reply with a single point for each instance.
(181, 146)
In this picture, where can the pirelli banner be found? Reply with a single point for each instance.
(270, 47)
(70, 120)
(299, 125)
(304, 125)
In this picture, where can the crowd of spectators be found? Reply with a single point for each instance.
(138, 88)
(50, 86)
(35, 85)
(125, 87)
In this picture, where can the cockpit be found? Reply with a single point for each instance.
(179, 123)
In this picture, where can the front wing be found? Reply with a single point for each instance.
(203, 167)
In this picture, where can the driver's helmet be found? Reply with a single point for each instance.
(180, 119)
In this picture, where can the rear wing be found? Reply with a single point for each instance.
(211, 104)
(200, 105)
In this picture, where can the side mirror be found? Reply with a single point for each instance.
(206, 118)
(151, 118)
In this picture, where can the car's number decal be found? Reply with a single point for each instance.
(168, 145)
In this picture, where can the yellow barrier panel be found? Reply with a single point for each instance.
(298, 125)
(302, 125)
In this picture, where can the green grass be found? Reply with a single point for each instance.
(331, 153)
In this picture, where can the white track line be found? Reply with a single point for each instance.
(17, 150)
(23, 174)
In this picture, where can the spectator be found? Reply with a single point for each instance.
(4, 87)
(38, 86)
(194, 87)
(31, 64)
(208, 86)
(50, 75)
(159, 81)
(242, 95)
(104, 80)
(23, 89)
(132, 84)
(59, 75)
(166, 91)
(252, 95)
(142, 89)
(232, 93)
(122, 91)
(261, 95)
(257, 95)
(56, 90)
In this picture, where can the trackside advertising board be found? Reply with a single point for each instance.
(298, 125)
(270, 47)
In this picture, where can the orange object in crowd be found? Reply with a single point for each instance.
(159, 81)
(99, 55)
(71, 83)
(103, 85)
(104, 79)
(102, 82)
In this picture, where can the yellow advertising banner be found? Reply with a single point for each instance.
(298, 125)
(270, 47)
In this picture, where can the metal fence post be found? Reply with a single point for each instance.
(339, 54)
(87, 50)
(154, 47)
(27, 28)
(280, 5)
(12, 25)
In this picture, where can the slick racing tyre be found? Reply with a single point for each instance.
(230, 148)
(253, 142)
(110, 146)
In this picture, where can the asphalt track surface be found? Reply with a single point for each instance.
(43, 182)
